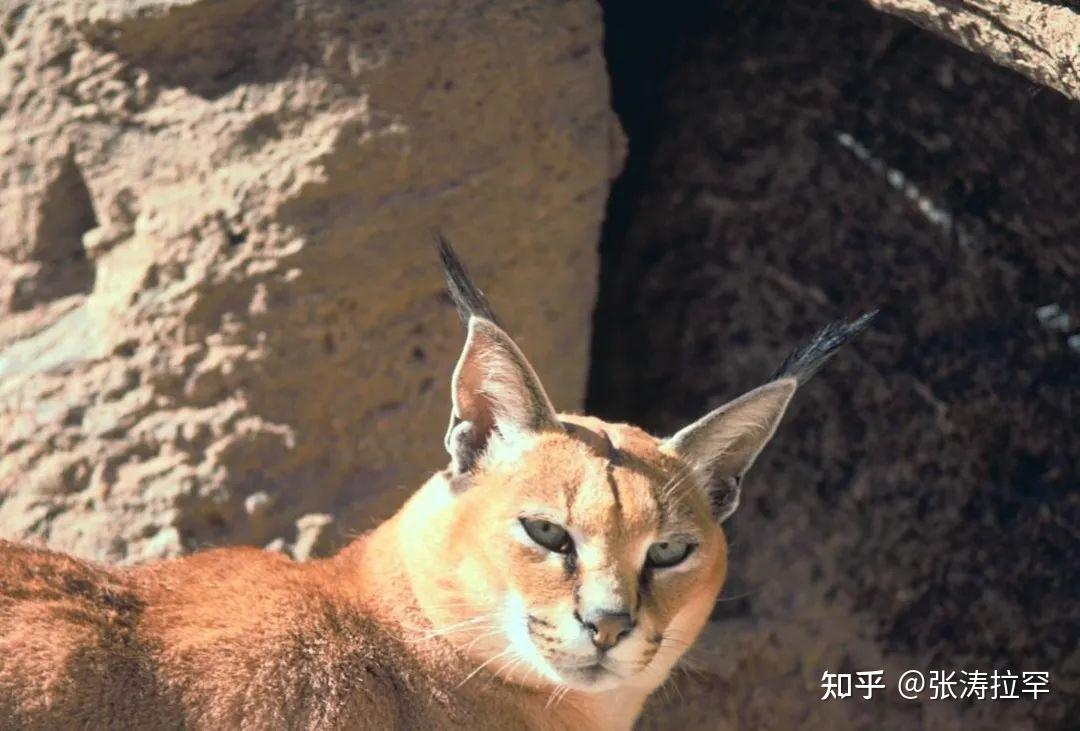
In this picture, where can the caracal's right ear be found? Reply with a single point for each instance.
(494, 389)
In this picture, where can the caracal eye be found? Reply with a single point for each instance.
(664, 554)
(547, 534)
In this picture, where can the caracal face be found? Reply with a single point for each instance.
(592, 557)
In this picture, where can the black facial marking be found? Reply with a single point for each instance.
(602, 446)
(569, 564)
(544, 638)
(645, 583)
(459, 481)
(610, 451)
(614, 488)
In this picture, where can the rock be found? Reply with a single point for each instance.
(216, 276)
(313, 536)
(165, 543)
(257, 503)
(1036, 38)
(1052, 317)
(279, 545)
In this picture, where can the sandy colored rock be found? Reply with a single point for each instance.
(314, 536)
(216, 278)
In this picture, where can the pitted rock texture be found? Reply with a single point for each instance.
(220, 313)
(919, 506)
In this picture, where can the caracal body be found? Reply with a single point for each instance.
(239, 637)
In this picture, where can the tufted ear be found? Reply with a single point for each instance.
(724, 443)
(494, 389)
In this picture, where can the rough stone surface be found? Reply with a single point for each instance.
(1039, 38)
(219, 307)
(919, 508)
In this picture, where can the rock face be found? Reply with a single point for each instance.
(1036, 37)
(219, 308)
(918, 509)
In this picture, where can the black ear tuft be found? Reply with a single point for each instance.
(494, 390)
(467, 297)
(805, 361)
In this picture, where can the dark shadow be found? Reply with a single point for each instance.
(794, 162)
(67, 212)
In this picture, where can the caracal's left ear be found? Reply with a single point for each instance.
(494, 389)
(722, 445)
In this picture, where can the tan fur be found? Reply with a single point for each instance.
(243, 638)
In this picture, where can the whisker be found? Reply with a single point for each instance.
(518, 662)
(678, 691)
(665, 689)
(565, 692)
(675, 642)
(673, 491)
(688, 664)
(466, 624)
(456, 630)
(675, 482)
(489, 633)
(481, 666)
(552, 696)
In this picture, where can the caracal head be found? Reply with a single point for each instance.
(565, 551)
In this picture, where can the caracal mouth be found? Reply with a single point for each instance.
(593, 677)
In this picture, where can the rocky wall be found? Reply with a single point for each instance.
(221, 318)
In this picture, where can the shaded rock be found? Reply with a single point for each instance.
(918, 508)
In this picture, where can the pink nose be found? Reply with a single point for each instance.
(607, 628)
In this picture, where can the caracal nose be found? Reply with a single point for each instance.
(607, 628)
